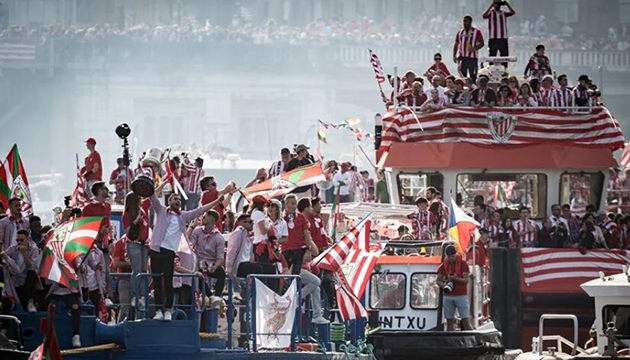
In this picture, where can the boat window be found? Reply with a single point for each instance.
(425, 292)
(618, 196)
(504, 191)
(619, 317)
(387, 291)
(412, 184)
(579, 190)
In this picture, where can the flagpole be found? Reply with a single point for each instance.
(367, 157)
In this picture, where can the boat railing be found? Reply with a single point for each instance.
(567, 109)
(146, 276)
(537, 342)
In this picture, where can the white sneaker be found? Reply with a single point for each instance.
(320, 320)
(159, 315)
(167, 316)
(76, 341)
(31, 307)
(141, 303)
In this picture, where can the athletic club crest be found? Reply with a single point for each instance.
(59, 240)
(501, 126)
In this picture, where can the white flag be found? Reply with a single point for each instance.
(275, 315)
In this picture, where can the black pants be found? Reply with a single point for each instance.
(498, 47)
(163, 263)
(294, 258)
(248, 268)
(469, 67)
(28, 291)
(263, 259)
(184, 294)
(218, 274)
(94, 296)
(71, 301)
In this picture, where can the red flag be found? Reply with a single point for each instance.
(79, 197)
(49, 349)
(334, 256)
(378, 68)
(625, 156)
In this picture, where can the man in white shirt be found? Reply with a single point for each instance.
(556, 216)
(436, 83)
(341, 181)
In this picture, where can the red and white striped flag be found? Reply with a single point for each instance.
(350, 306)
(359, 265)
(378, 68)
(625, 156)
(79, 197)
(334, 257)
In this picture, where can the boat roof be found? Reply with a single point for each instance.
(466, 155)
(408, 259)
(358, 210)
(617, 285)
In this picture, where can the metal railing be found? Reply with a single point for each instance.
(145, 311)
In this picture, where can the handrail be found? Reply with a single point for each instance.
(147, 304)
(251, 295)
(541, 323)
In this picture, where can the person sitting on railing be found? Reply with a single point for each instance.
(461, 94)
(483, 96)
(538, 65)
(525, 98)
(563, 95)
(311, 286)
(546, 90)
(503, 97)
(434, 103)
(437, 68)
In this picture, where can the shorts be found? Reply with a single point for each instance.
(449, 303)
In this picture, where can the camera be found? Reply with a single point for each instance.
(449, 287)
(75, 212)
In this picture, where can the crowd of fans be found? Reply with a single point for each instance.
(434, 32)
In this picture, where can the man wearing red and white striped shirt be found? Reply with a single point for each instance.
(497, 27)
(193, 184)
(546, 90)
(280, 166)
(526, 229)
(468, 41)
(562, 96)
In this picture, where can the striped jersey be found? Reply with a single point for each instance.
(561, 98)
(466, 41)
(277, 168)
(526, 240)
(195, 174)
(497, 24)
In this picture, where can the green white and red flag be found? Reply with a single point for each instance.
(14, 183)
(333, 219)
(69, 241)
(49, 349)
(285, 183)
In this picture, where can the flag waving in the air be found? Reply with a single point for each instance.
(334, 256)
(14, 183)
(285, 183)
(68, 242)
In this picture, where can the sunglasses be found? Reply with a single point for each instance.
(438, 59)
(20, 240)
(248, 221)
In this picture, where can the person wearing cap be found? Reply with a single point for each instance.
(301, 159)
(483, 96)
(280, 166)
(460, 95)
(92, 170)
(341, 181)
(581, 93)
(453, 279)
(481, 252)
(538, 65)
(121, 181)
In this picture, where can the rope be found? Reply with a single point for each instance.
(88, 349)
(204, 335)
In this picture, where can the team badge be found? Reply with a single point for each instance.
(501, 126)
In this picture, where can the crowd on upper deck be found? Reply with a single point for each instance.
(426, 31)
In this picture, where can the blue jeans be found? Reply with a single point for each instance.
(138, 257)
(449, 303)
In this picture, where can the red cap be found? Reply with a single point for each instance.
(91, 141)
(260, 199)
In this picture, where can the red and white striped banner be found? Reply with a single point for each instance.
(625, 157)
(17, 52)
(359, 265)
(350, 306)
(336, 255)
(378, 68)
(596, 128)
(548, 268)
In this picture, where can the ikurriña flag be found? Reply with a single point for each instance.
(14, 183)
(69, 241)
(288, 181)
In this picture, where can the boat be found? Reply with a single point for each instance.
(610, 333)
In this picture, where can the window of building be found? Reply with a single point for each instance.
(579, 190)
(387, 291)
(567, 11)
(425, 292)
(504, 191)
(411, 185)
(624, 11)
(617, 316)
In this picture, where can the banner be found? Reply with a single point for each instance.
(275, 316)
